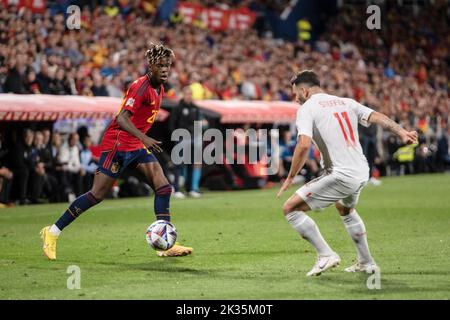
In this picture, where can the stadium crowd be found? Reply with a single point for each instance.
(40, 165)
(400, 70)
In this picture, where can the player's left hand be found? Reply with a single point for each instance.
(152, 144)
(286, 184)
(409, 137)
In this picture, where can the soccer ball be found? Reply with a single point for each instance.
(161, 235)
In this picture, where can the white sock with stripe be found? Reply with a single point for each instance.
(308, 229)
(357, 231)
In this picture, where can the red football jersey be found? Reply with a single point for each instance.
(143, 102)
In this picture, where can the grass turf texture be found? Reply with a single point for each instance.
(243, 248)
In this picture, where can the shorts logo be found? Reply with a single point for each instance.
(115, 167)
(309, 194)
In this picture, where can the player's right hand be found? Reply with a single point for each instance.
(286, 184)
(152, 144)
(409, 137)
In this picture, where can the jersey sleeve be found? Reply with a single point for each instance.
(362, 112)
(135, 97)
(304, 121)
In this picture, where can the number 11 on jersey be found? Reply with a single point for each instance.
(344, 115)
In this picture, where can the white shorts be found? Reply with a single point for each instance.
(330, 188)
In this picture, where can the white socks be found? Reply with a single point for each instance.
(308, 229)
(54, 230)
(357, 231)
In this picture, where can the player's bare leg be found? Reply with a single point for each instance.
(49, 234)
(156, 178)
(294, 211)
(102, 185)
(357, 231)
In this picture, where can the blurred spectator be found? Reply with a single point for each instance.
(88, 163)
(111, 9)
(183, 116)
(368, 140)
(60, 85)
(51, 184)
(287, 146)
(69, 158)
(99, 89)
(43, 79)
(246, 175)
(443, 151)
(312, 166)
(6, 175)
(16, 77)
(59, 171)
(424, 160)
(37, 172)
(32, 85)
(20, 163)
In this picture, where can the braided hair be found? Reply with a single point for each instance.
(156, 52)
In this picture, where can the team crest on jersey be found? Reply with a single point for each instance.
(130, 102)
(115, 167)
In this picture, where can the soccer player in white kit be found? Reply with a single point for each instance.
(332, 123)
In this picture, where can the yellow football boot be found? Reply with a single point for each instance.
(49, 243)
(176, 251)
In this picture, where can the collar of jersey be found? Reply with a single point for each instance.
(157, 89)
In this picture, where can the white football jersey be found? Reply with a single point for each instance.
(332, 123)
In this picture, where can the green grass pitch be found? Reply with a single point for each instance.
(243, 248)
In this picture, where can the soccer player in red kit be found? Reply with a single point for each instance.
(125, 144)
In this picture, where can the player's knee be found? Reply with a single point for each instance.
(287, 208)
(158, 181)
(339, 208)
(99, 194)
(343, 211)
(164, 190)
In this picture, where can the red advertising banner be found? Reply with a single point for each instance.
(215, 18)
(44, 107)
(243, 111)
(37, 6)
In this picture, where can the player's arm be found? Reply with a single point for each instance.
(300, 155)
(298, 161)
(408, 137)
(305, 132)
(124, 121)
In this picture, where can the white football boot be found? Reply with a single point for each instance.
(179, 195)
(195, 194)
(324, 263)
(370, 268)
